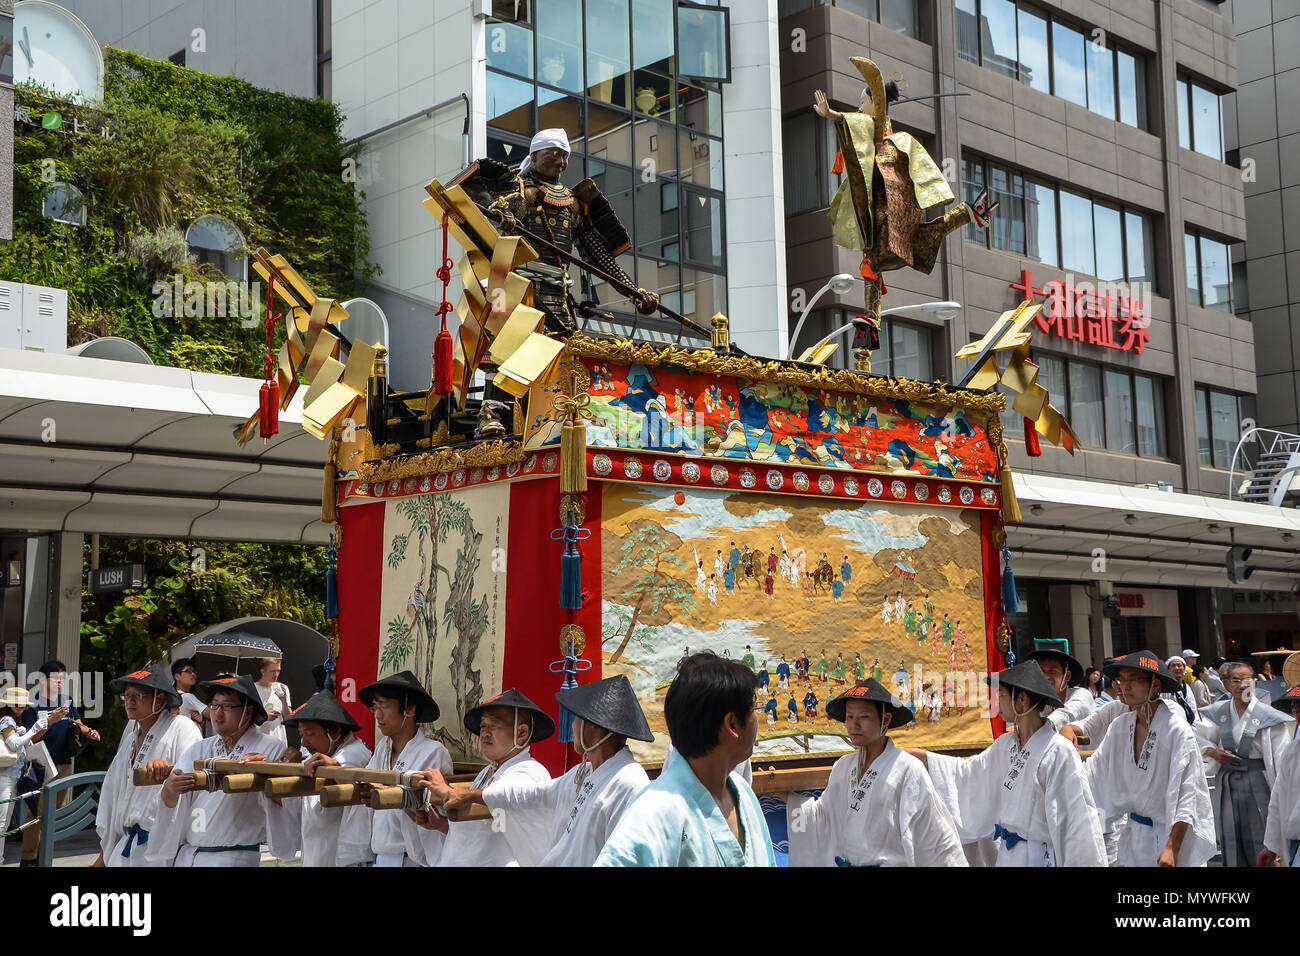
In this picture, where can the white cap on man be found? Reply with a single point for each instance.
(555, 137)
(1188, 653)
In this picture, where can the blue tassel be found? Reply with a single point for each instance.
(569, 667)
(1009, 603)
(331, 581)
(571, 565)
(329, 673)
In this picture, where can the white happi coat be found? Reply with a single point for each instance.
(1165, 784)
(1038, 792)
(395, 838)
(322, 827)
(586, 812)
(1283, 827)
(230, 821)
(676, 822)
(523, 834)
(125, 809)
(1079, 705)
(891, 816)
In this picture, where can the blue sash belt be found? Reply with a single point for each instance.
(1009, 837)
(1138, 818)
(136, 836)
(1291, 848)
(840, 861)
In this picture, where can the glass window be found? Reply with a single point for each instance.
(608, 55)
(510, 48)
(863, 8)
(656, 228)
(511, 9)
(701, 159)
(655, 148)
(1207, 131)
(615, 182)
(899, 16)
(1086, 405)
(1108, 231)
(998, 18)
(609, 135)
(1203, 426)
(703, 228)
(215, 239)
(1184, 116)
(909, 350)
(968, 31)
(1137, 240)
(1119, 412)
(1132, 89)
(1035, 64)
(510, 104)
(1008, 188)
(1076, 233)
(1216, 275)
(699, 109)
(1240, 289)
(1101, 79)
(972, 179)
(1040, 222)
(557, 109)
(1225, 427)
(1193, 270)
(1150, 416)
(559, 44)
(1068, 57)
(804, 163)
(652, 57)
(1051, 375)
(702, 42)
(705, 294)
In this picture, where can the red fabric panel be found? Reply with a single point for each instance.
(992, 560)
(361, 566)
(533, 613)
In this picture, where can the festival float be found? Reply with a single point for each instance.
(561, 506)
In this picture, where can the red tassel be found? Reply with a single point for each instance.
(1032, 447)
(268, 409)
(839, 163)
(443, 361)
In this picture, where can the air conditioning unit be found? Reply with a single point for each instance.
(33, 317)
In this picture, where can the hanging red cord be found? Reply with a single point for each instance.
(443, 357)
(268, 417)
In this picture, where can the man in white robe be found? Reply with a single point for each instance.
(215, 829)
(1148, 767)
(1065, 674)
(327, 732)
(511, 786)
(698, 812)
(587, 802)
(1246, 740)
(154, 739)
(1282, 829)
(1027, 790)
(400, 705)
(879, 807)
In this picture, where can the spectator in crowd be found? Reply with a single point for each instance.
(14, 701)
(1200, 688)
(60, 738)
(275, 698)
(184, 676)
(1214, 679)
(1182, 696)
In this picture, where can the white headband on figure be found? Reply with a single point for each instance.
(545, 139)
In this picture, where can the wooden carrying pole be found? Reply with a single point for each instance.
(281, 787)
(791, 778)
(342, 795)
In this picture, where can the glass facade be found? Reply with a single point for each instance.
(898, 15)
(636, 85)
(1200, 118)
(1218, 424)
(1054, 56)
(1209, 272)
(1109, 408)
(1057, 227)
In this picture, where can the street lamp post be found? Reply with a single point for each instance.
(840, 284)
(946, 311)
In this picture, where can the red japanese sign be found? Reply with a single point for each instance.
(1096, 314)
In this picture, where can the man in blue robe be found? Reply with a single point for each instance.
(698, 812)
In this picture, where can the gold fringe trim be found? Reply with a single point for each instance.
(1010, 505)
(444, 460)
(934, 394)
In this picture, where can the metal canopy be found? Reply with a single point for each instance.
(149, 451)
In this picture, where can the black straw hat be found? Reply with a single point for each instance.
(1288, 700)
(404, 687)
(1148, 663)
(155, 678)
(609, 704)
(870, 689)
(1029, 677)
(243, 686)
(1052, 654)
(322, 706)
(542, 726)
